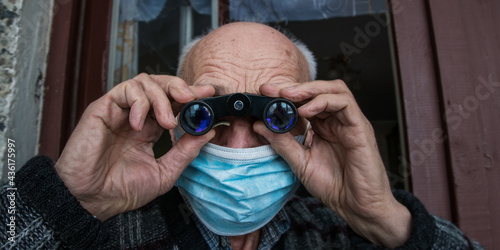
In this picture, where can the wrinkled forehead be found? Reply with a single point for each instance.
(240, 57)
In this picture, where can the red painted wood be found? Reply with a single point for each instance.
(95, 46)
(419, 93)
(60, 75)
(76, 68)
(467, 35)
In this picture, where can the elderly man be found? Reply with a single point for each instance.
(107, 190)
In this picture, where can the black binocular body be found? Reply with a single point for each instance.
(198, 117)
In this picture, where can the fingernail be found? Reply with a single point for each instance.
(141, 124)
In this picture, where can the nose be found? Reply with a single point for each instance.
(239, 134)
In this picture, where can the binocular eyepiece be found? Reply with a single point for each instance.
(198, 117)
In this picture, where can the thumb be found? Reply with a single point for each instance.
(182, 153)
(287, 146)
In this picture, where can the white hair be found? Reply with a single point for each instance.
(185, 50)
(311, 61)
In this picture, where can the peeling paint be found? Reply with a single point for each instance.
(25, 28)
(6, 13)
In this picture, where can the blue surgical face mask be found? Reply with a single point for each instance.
(235, 191)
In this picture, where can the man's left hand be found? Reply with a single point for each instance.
(340, 164)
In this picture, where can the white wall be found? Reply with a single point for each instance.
(24, 43)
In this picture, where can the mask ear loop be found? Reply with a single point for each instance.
(223, 122)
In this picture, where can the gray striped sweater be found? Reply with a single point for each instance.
(44, 215)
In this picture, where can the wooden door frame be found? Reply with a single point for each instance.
(467, 38)
(448, 65)
(419, 90)
(79, 39)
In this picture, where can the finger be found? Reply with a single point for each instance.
(304, 91)
(185, 150)
(285, 145)
(273, 89)
(203, 91)
(342, 106)
(162, 108)
(130, 94)
(199, 91)
(175, 88)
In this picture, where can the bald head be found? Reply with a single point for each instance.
(240, 57)
(246, 55)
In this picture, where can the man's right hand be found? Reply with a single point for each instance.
(108, 163)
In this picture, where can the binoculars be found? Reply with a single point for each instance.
(198, 117)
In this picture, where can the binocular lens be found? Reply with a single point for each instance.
(197, 117)
(280, 116)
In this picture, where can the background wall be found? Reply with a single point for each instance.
(448, 54)
(25, 28)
